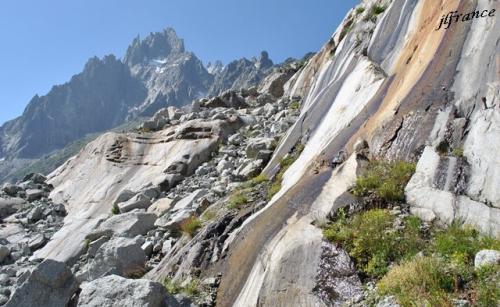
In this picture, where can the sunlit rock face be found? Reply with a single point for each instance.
(409, 91)
(388, 86)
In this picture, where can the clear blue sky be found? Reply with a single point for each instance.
(46, 42)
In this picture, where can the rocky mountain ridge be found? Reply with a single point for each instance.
(155, 72)
(226, 202)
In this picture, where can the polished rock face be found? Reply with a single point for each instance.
(383, 87)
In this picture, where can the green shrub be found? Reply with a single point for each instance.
(346, 29)
(190, 226)
(173, 287)
(487, 286)
(294, 105)
(410, 240)
(461, 242)
(115, 210)
(273, 189)
(422, 281)
(458, 152)
(385, 180)
(192, 288)
(443, 147)
(237, 199)
(419, 266)
(360, 10)
(377, 9)
(372, 242)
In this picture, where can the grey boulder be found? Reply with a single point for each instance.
(486, 257)
(10, 206)
(117, 291)
(128, 224)
(119, 256)
(139, 201)
(33, 194)
(50, 284)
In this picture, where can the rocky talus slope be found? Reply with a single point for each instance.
(223, 203)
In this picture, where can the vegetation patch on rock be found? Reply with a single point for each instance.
(418, 264)
(385, 181)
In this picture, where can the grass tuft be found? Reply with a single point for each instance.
(422, 281)
(294, 105)
(237, 200)
(360, 10)
(190, 226)
(385, 180)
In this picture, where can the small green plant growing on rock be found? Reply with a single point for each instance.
(237, 200)
(385, 180)
(346, 29)
(172, 287)
(461, 242)
(190, 226)
(458, 152)
(192, 288)
(115, 210)
(295, 105)
(259, 179)
(443, 147)
(360, 10)
(375, 10)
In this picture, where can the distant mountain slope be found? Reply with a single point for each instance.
(156, 72)
(242, 73)
(95, 100)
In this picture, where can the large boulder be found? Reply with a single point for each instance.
(257, 145)
(10, 206)
(120, 256)
(162, 206)
(139, 201)
(34, 194)
(487, 257)
(228, 99)
(128, 224)
(190, 200)
(114, 290)
(50, 284)
(249, 169)
(11, 189)
(4, 252)
(124, 196)
(274, 84)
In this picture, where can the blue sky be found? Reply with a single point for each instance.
(45, 42)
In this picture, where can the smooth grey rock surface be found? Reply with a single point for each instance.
(117, 291)
(50, 284)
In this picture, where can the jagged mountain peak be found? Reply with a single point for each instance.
(215, 67)
(241, 73)
(157, 45)
(263, 61)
